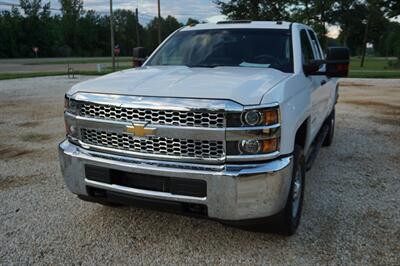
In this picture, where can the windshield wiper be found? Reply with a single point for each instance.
(205, 65)
(249, 64)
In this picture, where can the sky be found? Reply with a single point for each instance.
(202, 10)
(181, 9)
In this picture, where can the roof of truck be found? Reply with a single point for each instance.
(240, 24)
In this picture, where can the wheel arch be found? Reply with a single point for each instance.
(302, 136)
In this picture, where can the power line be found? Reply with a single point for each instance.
(146, 15)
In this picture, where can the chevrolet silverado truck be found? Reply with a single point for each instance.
(222, 120)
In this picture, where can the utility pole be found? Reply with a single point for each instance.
(159, 22)
(137, 28)
(112, 35)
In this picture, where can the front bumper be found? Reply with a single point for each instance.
(234, 192)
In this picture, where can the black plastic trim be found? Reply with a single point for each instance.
(173, 185)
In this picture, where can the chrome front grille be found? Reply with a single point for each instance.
(204, 149)
(152, 116)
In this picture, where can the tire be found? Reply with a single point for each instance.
(331, 124)
(290, 216)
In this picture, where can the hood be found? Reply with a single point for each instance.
(245, 85)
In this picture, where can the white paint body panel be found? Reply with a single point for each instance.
(244, 85)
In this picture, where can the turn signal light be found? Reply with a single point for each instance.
(271, 116)
(270, 145)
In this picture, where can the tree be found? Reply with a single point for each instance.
(34, 27)
(71, 12)
(168, 26)
(125, 30)
(10, 36)
(256, 9)
(393, 7)
(375, 10)
(315, 13)
(31, 7)
(191, 21)
(89, 35)
(389, 40)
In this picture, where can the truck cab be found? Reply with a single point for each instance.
(221, 120)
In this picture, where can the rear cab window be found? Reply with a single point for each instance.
(316, 45)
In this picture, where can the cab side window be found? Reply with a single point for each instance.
(316, 44)
(306, 48)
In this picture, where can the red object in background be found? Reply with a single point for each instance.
(117, 51)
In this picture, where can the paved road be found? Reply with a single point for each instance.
(351, 212)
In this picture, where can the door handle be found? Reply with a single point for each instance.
(323, 82)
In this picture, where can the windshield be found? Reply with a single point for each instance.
(227, 47)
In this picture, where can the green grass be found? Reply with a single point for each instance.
(372, 63)
(4, 76)
(374, 67)
(375, 75)
(80, 61)
(108, 70)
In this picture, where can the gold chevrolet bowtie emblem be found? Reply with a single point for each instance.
(140, 130)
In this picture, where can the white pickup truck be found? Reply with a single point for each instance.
(221, 120)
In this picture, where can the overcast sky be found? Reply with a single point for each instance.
(181, 9)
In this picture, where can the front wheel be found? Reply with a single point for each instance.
(290, 215)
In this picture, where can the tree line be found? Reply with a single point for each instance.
(75, 31)
(79, 32)
(360, 21)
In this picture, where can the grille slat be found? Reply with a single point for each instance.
(163, 117)
(205, 149)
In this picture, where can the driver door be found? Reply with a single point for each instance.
(317, 84)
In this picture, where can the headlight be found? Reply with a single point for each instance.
(255, 133)
(260, 117)
(252, 118)
(253, 146)
(250, 146)
(66, 103)
(70, 105)
(70, 129)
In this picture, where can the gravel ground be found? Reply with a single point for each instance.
(351, 213)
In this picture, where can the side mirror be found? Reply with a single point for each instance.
(337, 62)
(312, 67)
(139, 56)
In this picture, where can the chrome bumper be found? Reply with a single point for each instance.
(234, 192)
